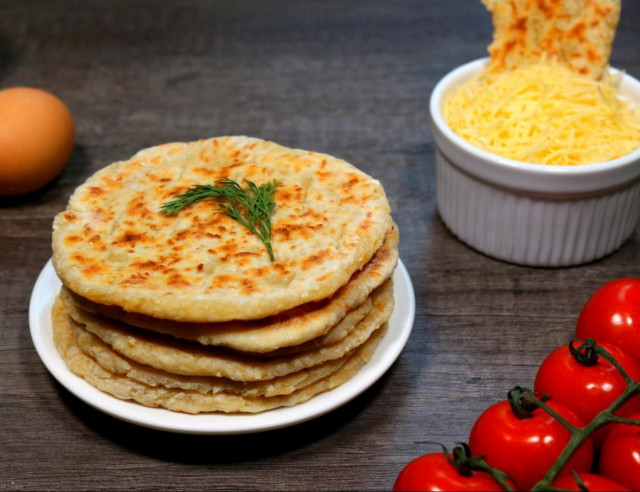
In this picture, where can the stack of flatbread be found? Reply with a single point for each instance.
(189, 313)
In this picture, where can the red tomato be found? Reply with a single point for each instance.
(612, 314)
(525, 448)
(587, 389)
(620, 454)
(434, 471)
(592, 482)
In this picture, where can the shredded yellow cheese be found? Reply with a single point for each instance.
(544, 113)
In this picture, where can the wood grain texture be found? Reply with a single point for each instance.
(347, 78)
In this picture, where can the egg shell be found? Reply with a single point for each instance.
(37, 135)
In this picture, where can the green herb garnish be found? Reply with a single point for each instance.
(251, 206)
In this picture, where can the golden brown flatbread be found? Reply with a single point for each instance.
(113, 246)
(192, 359)
(191, 400)
(302, 324)
(114, 362)
(191, 312)
(577, 33)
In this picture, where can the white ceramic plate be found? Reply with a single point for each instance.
(400, 324)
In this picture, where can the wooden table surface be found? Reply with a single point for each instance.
(349, 78)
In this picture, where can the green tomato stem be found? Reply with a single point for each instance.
(498, 475)
(580, 435)
(461, 458)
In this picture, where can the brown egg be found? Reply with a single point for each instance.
(36, 139)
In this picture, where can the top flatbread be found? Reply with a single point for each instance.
(114, 247)
(577, 33)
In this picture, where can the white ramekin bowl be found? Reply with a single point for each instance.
(532, 214)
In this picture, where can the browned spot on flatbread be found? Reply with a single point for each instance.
(177, 280)
(131, 238)
(91, 268)
(134, 279)
(137, 208)
(69, 216)
(248, 286)
(315, 259)
(147, 265)
(95, 191)
(79, 258)
(71, 240)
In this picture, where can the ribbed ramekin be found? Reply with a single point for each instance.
(532, 214)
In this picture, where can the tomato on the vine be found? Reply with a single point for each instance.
(576, 377)
(612, 314)
(436, 471)
(433, 472)
(591, 481)
(525, 445)
(620, 454)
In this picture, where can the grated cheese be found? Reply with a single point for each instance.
(544, 113)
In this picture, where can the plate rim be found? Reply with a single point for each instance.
(400, 327)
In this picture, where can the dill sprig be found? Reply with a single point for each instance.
(252, 206)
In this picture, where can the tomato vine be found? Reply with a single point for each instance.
(559, 416)
(579, 435)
